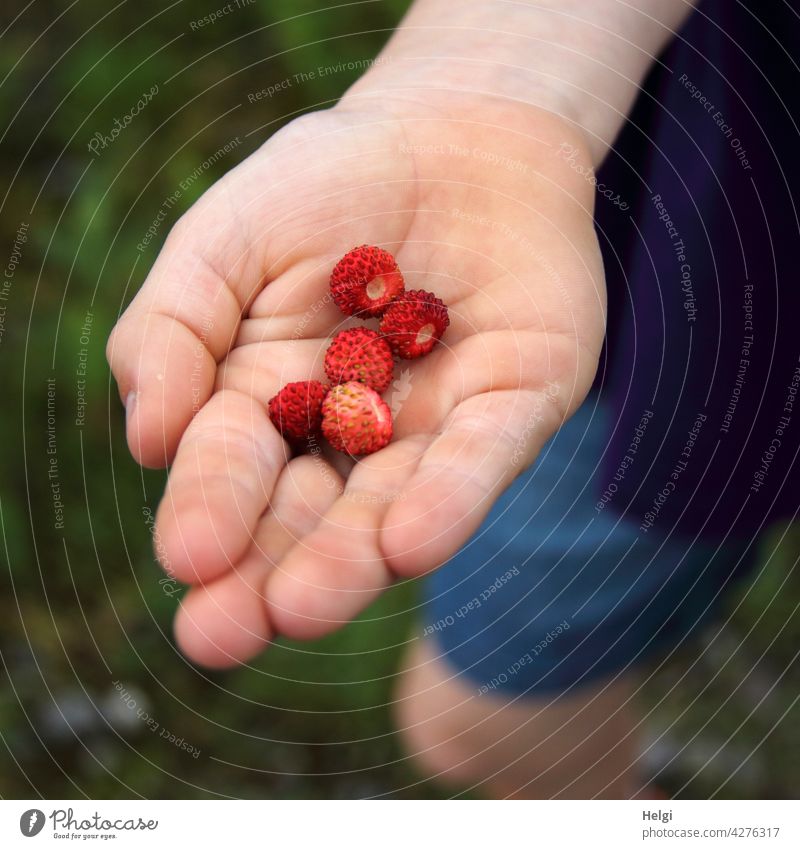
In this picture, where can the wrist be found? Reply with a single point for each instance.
(448, 74)
(582, 62)
(437, 81)
(440, 87)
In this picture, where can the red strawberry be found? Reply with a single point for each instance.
(355, 419)
(414, 323)
(365, 281)
(296, 411)
(360, 354)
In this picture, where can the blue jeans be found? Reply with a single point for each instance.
(554, 591)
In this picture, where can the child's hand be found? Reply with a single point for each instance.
(479, 203)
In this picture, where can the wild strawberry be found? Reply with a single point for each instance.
(355, 419)
(360, 354)
(296, 411)
(414, 323)
(365, 281)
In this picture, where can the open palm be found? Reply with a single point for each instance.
(478, 207)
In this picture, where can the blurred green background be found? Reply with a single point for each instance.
(82, 606)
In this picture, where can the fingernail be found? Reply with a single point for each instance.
(130, 403)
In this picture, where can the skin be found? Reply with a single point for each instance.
(450, 153)
(519, 356)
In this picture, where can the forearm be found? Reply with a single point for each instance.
(581, 59)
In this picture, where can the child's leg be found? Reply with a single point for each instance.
(580, 746)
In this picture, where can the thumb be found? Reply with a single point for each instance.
(164, 350)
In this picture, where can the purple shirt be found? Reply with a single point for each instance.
(702, 360)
